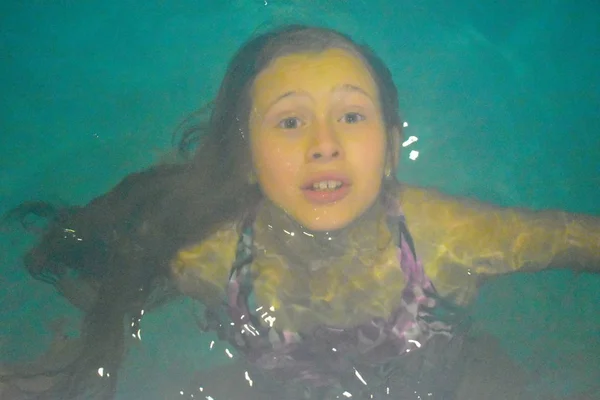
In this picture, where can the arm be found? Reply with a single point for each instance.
(481, 239)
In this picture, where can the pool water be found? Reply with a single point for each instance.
(502, 97)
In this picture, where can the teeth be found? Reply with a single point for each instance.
(327, 185)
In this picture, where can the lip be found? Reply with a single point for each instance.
(326, 196)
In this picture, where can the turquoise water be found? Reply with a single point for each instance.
(504, 99)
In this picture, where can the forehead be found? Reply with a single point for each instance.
(312, 72)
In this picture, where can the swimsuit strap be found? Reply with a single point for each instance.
(406, 236)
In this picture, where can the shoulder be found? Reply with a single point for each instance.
(426, 210)
(417, 200)
(201, 270)
(439, 231)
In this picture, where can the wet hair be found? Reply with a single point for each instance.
(130, 235)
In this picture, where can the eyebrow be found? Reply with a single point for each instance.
(346, 87)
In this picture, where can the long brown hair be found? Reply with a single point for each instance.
(129, 235)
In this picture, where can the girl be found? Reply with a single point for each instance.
(289, 225)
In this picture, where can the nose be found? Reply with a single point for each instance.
(325, 145)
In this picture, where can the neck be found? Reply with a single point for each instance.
(359, 243)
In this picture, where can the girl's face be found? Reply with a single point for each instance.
(317, 137)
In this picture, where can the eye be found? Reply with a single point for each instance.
(290, 123)
(352, 118)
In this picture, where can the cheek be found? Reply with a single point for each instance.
(275, 163)
(370, 157)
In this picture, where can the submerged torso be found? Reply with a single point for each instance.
(321, 331)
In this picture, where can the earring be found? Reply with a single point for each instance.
(388, 172)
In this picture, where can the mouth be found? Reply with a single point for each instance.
(326, 181)
(326, 188)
